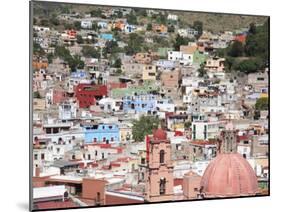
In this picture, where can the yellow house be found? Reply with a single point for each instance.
(39, 104)
(125, 133)
(149, 72)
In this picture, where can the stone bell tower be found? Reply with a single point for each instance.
(159, 181)
(229, 139)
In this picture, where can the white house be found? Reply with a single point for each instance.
(110, 104)
(172, 17)
(67, 111)
(183, 58)
(86, 24)
(203, 130)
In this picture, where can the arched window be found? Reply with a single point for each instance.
(162, 156)
(162, 186)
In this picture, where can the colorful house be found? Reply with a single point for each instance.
(140, 104)
(101, 133)
(198, 57)
(87, 94)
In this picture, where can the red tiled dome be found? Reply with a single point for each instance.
(229, 175)
(159, 134)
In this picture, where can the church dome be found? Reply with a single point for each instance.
(229, 175)
(159, 134)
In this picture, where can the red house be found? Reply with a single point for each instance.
(87, 94)
(241, 38)
(59, 96)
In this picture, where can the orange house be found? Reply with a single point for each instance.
(160, 28)
(119, 25)
(39, 64)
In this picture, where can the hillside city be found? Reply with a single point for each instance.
(135, 105)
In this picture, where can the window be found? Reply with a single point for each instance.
(89, 157)
(162, 186)
(162, 156)
(73, 157)
(142, 160)
(42, 156)
(35, 157)
(102, 155)
(98, 197)
(96, 152)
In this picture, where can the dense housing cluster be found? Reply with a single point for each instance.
(137, 105)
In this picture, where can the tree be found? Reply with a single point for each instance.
(180, 41)
(36, 95)
(252, 28)
(75, 63)
(111, 47)
(262, 104)
(44, 22)
(50, 57)
(198, 26)
(96, 13)
(202, 70)
(62, 52)
(161, 18)
(171, 28)
(236, 49)
(230, 63)
(37, 49)
(77, 25)
(149, 27)
(187, 125)
(134, 44)
(79, 39)
(117, 63)
(144, 126)
(248, 66)
(257, 43)
(132, 18)
(54, 21)
(89, 51)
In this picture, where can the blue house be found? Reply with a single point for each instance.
(106, 36)
(102, 24)
(145, 103)
(101, 133)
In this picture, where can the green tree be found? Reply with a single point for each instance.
(252, 28)
(54, 20)
(149, 27)
(36, 95)
(249, 66)
(89, 51)
(257, 43)
(75, 63)
(132, 18)
(79, 39)
(198, 26)
(144, 126)
(134, 44)
(171, 28)
(117, 63)
(180, 41)
(202, 71)
(50, 57)
(262, 104)
(236, 49)
(77, 25)
(96, 13)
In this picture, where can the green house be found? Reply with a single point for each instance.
(163, 52)
(199, 58)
